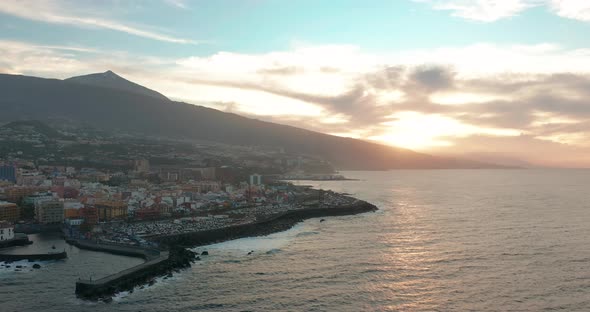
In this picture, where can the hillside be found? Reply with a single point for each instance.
(112, 108)
(36, 126)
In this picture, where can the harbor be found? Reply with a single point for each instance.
(174, 254)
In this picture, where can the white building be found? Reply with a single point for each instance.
(255, 179)
(6, 231)
(49, 211)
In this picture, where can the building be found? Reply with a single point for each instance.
(17, 193)
(72, 209)
(49, 211)
(9, 211)
(169, 176)
(89, 214)
(208, 173)
(74, 222)
(255, 179)
(6, 231)
(141, 166)
(110, 209)
(8, 173)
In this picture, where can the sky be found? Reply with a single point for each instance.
(498, 80)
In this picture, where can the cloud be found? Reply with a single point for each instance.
(62, 12)
(482, 10)
(180, 4)
(432, 78)
(442, 104)
(573, 9)
(494, 10)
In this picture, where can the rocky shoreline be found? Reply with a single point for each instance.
(34, 257)
(164, 264)
(275, 224)
(177, 256)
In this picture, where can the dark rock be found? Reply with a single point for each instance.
(322, 220)
(205, 253)
(36, 266)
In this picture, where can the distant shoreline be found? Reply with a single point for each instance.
(319, 179)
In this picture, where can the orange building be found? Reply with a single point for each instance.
(72, 209)
(9, 212)
(89, 214)
(110, 209)
(15, 194)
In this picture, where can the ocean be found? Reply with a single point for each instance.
(443, 240)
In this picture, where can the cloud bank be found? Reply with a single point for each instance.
(505, 100)
(67, 13)
(493, 10)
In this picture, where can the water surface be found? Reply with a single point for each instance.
(448, 240)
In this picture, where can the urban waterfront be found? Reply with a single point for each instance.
(442, 240)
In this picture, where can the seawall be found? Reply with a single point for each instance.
(157, 263)
(263, 227)
(160, 263)
(20, 239)
(34, 257)
(146, 254)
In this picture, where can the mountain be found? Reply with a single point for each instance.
(25, 98)
(111, 80)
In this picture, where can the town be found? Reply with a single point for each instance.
(121, 189)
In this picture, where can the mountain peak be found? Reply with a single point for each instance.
(111, 80)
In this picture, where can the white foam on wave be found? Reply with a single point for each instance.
(159, 281)
(260, 244)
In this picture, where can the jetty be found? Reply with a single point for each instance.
(175, 255)
(19, 239)
(34, 257)
(157, 263)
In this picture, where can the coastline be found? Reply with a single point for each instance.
(274, 224)
(176, 256)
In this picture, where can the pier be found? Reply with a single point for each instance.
(34, 257)
(157, 263)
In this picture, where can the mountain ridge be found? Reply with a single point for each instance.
(114, 108)
(110, 79)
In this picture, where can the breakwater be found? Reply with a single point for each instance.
(144, 253)
(20, 239)
(157, 263)
(34, 257)
(268, 226)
